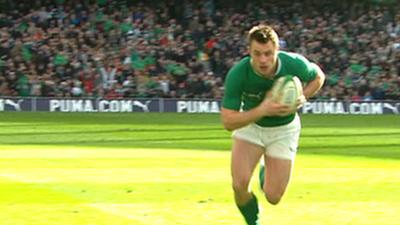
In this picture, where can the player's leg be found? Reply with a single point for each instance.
(277, 176)
(245, 157)
(279, 159)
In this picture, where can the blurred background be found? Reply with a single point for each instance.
(89, 56)
(183, 49)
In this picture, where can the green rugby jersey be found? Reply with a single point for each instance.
(243, 85)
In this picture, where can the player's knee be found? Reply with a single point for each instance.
(240, 185)
(273, 198)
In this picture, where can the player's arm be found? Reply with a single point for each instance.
(233, 119)
(315, 85)
(231, 116)
(311, 74)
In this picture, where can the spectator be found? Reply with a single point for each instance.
(104, 43)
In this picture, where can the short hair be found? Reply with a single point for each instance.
(263, 33)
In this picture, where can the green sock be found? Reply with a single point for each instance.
(261, 177)
(250, 211)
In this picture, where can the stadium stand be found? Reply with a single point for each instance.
(183, 49)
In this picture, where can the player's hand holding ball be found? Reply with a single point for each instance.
(285, 97)
(300, 101)
(270, 107)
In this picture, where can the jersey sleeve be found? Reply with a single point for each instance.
(233, 89)
(305, 70)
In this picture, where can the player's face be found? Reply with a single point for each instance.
(264, 56)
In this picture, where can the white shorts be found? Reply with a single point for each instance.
(278, 142)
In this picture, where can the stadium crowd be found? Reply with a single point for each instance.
(183, 48)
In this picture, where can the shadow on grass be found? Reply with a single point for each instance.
(111, 131)
(385, 150)
(169, 130)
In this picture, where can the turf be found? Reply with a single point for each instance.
(149, 168)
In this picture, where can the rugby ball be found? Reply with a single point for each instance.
(286, 90)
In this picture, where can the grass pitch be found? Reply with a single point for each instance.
(112, 169)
